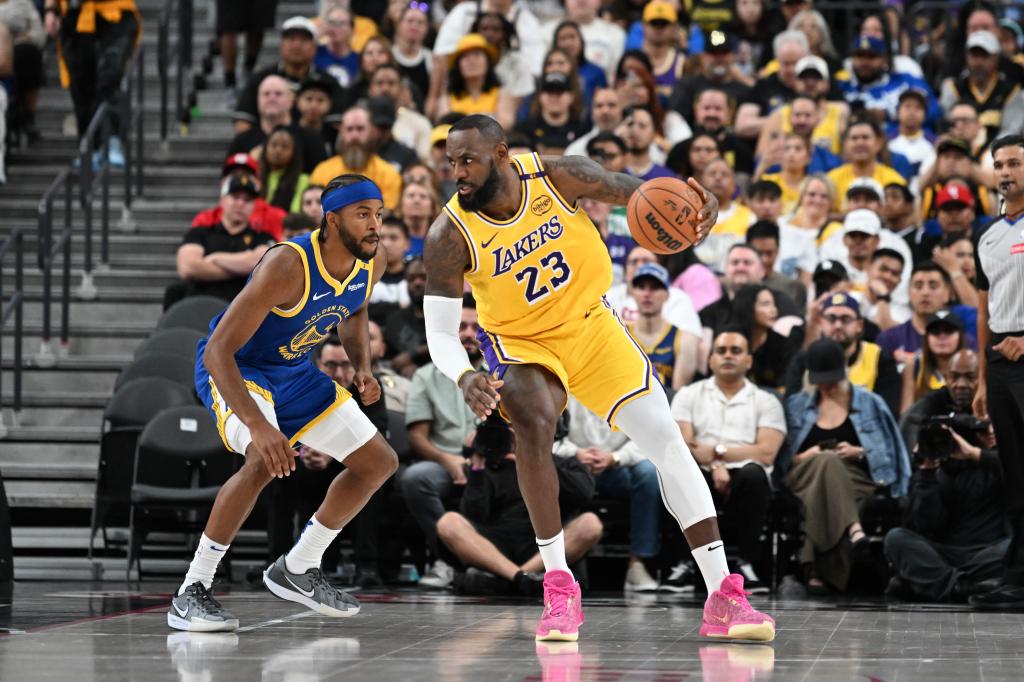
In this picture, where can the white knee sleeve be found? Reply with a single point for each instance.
(648, 423)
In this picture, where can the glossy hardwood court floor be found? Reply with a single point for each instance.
(80, 632)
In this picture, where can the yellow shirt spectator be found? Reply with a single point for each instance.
(378, 170)
(844, 175)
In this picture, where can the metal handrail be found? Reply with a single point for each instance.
(48, 251)
(13, 307)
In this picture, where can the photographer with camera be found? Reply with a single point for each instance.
(492, 532)
(953, 539)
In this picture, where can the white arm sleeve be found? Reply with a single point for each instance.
(442, 317)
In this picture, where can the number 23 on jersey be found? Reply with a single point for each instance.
(552, 267)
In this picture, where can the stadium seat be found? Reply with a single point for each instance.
(127, 412)
(194, 312)
(180, 465)
(177, 368)
(175, 341)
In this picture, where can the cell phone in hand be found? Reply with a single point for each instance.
(828, 444)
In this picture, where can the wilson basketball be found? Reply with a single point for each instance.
(663, 215)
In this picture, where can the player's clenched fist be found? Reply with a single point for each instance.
(480, 392)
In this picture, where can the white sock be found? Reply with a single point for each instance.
(309, 550)
(552, 553)
(711, 560)
(204, 563)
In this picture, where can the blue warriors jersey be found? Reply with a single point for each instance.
(275, 362)
(664, 353)
(286, 336)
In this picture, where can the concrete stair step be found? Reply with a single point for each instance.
(61, 416)
(126, 278)
(127, 243)
(66, 434)
(98, 312)
(51, 494)
(85, 399)
(57, 379)
(16, 469)
(77, 347)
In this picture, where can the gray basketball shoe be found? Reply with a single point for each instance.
(310, 589)
(195, 610)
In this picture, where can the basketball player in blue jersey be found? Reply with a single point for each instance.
(539, 272)
(254, 373)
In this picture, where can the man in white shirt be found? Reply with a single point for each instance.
(460, 20)
(678, 310)
(734, 430)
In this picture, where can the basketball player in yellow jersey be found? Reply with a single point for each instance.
(539, 271)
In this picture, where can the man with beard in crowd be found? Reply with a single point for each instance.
(982, 83)
(873, 89)
(356, 155)
(838, 318)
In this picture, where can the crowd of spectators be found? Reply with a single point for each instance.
(834, 300)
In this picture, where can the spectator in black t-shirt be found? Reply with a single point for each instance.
(717, 70)
(774, 90)
(298, 48)
(215, 261)
(274, 105)
(391, 292)
(555, 118)
(405, 331)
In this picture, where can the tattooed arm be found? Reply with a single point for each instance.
(446, 255)
(579, 177)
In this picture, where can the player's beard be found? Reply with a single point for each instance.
(357, 248)
(484, 193)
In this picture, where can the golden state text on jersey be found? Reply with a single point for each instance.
(543, 266)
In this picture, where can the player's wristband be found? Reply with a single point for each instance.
(442, 318)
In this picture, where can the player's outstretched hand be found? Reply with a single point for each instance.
(368, 387)
(480, 392)
(273, 448)
(708, 213)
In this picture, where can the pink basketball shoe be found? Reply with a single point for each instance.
(728, 614)
(563, 608)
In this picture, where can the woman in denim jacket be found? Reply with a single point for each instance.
(842, 444)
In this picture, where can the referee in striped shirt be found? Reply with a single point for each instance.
(1000, 264)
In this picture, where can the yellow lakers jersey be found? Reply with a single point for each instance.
(543, 266)
(828, 133)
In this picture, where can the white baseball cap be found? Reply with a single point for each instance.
(812, 63)
(983, 40)
(866, 183)
(299, 24)
(862, 220)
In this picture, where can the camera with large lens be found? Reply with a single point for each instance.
(935, 442)
(493, 440)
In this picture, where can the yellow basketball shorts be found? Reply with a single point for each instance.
(594, 357)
